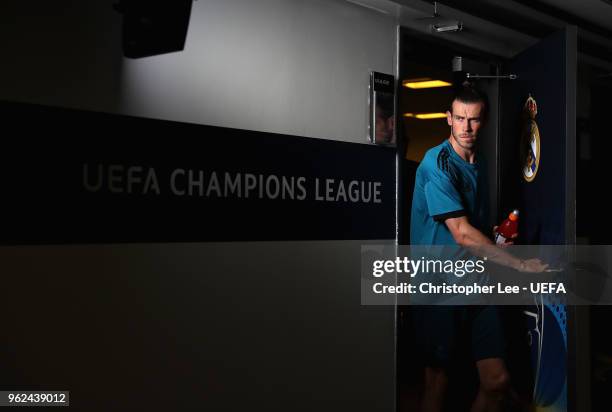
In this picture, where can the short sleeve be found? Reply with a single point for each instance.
(443, 198)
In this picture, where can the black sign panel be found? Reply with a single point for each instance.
(382, 109)
(382, 82)
(71, 176)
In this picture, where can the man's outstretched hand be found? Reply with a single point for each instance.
(532, 266)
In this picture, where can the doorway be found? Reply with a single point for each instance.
(545, 70)
(429, 73)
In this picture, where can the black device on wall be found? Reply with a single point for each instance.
(152, 27)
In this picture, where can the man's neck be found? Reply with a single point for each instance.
(467, 155)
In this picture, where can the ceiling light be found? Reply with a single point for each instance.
(426, 116)
(425, 84)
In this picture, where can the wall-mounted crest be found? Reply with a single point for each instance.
(530, 141)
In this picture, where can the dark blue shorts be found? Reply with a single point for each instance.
(447, 333)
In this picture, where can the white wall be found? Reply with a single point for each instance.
(275, 326)
(283, 66)
(296, 67)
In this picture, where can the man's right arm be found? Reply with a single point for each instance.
(473, 239)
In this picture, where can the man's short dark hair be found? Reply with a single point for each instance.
(468, 94)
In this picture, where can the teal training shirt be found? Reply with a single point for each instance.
(447, 186)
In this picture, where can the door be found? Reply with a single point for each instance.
(537, 176)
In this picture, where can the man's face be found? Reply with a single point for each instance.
(384, 127)
(465, 121)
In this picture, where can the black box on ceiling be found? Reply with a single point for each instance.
(153, 27)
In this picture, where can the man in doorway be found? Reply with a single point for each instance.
(449, 207)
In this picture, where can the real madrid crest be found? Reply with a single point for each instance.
(530, 141)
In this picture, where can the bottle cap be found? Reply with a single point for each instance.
(514, 215)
